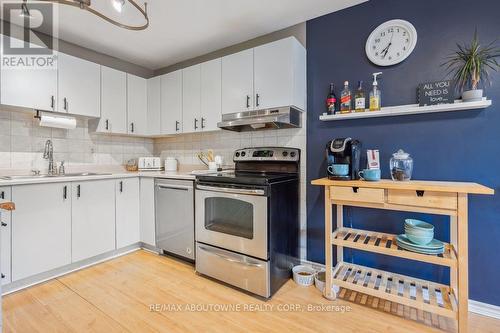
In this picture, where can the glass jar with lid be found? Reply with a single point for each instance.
(401, 165)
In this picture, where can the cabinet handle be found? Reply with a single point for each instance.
(78, 192)
(65, 104)
(2, 195)
(248, 101)
(420, 193)
(132, 127)
(4, 224)
(107, 124)
(52, 102)
(203, 122)
(121, 187)
(65, 192)
(257, 97)
(177, 126)
(3, 276)
(355, 189)
(195, 123)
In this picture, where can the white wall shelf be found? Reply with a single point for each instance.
(402, 110)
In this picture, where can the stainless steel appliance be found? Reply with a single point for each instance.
(285, 117)
(175, 217)
(247, 221)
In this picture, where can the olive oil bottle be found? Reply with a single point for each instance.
(359, 98)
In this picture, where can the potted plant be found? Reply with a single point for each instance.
(470, 66)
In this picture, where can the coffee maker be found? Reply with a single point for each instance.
(343, 151)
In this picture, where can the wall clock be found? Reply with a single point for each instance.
(391, 42)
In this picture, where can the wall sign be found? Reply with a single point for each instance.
(440, 92)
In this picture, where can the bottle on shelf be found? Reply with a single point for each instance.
(346, 99)
(359, 98)
(375, 94)
(331, 101)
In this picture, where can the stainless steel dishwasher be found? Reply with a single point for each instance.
(175, 217)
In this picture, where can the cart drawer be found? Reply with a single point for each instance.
(357, 194)
(441, 200)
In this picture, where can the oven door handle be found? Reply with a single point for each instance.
(230, 190)
(228, 258)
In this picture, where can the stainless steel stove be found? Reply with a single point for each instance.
(247, 221)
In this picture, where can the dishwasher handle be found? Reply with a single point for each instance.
(174, 187)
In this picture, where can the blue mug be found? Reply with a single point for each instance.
(370, 174)
(339, 169)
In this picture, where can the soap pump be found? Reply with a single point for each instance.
(375, 94)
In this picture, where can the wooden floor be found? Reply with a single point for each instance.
(118, 296)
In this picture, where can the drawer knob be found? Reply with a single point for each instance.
(355, 189)
(420, 193)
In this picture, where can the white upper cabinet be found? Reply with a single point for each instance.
(191, 99)
(237, 82)
(280, 74)
(79, 86)
(113, 101)
(137, 105)
(127, 212)
(26, 87)
(211, 102)
(154, 106)
(171, 103)
(92, 218)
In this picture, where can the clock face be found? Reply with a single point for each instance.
(391, 42)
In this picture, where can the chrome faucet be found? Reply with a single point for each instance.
(48, 154)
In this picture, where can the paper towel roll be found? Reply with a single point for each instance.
(50, 120)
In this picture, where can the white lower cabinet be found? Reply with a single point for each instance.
(5, 218)
(41, 228)
(147, 202)
(127, 212)
(93, 218)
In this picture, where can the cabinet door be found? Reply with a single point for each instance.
(237, 82)
(34, 88)
(191, 106)
(113, 101)
(154, 106)
(127, 212)
(93, 216)
(147, 199)
(41, 228)
(79, 86)
(280, 74)
(171, 103)
(137, 104)
(211, 94)
(5, 218)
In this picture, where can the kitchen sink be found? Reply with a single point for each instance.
(77, 174)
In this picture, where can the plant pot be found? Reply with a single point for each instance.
(472, 95)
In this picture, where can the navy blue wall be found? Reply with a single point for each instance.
(459, 146)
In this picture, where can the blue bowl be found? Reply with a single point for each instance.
(420, 240)
(419, 225)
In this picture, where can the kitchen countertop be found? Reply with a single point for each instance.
(184, 175)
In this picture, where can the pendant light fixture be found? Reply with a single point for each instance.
(87, 5)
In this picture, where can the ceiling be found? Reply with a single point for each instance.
(183, 29)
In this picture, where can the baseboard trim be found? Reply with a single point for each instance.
(55, 273)
(484, 309)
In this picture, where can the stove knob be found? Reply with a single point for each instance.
(237, 154)
(292, 154)
(243, 154)
(285, 154)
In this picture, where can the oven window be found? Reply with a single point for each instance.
(229, 216)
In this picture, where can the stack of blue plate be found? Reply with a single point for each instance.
(419, 237)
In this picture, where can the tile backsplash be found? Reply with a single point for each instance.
(22, 143)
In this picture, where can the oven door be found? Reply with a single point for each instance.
(233, 219)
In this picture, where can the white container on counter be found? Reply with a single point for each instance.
(170, 164)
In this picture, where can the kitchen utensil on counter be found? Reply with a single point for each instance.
(203, 158)
(339, 169)
(210, 155)
(370, 174)
(132, 165)
(303, 275)
(212, 166)
(344, 151)
(401, 165)
(171, 164)
(219, 161)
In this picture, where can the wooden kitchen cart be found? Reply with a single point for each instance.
(443, 198)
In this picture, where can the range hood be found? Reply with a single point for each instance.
(284, 117)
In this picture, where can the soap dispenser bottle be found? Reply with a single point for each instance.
(375, 94)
